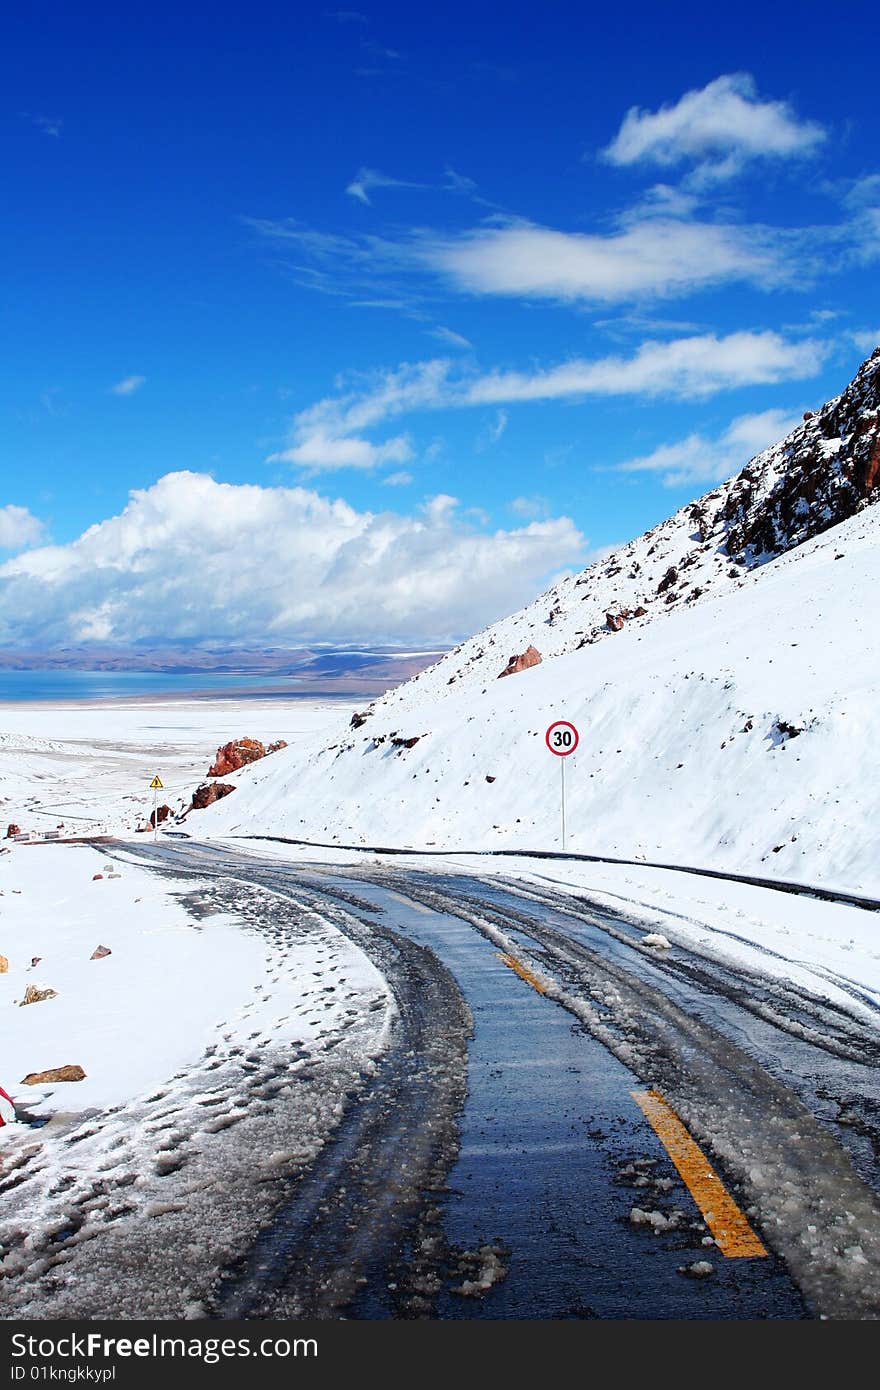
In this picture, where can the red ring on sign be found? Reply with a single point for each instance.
(562, 724)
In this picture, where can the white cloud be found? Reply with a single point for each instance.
(400, 479)
(685, 368)
(722, 125)
(49, 125)
(19, 527)
(128, 385)
(698, 459)
(656, 256)
(330, 434)
(322, 453)
(866, 340)
(367, 179)
(190, 557)
(446, 335)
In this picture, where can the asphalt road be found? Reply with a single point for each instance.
(500, 1166)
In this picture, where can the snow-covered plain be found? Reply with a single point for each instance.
(90, 766)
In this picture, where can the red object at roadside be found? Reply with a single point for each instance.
(7, 1109)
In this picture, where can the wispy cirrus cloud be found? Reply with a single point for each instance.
(700, 459)
(447, 335)
(654, 257)
(719, 128)
(683, 369)
(365, 180)
(646, 256)
(49, 125)
(128, 385)
(335, 432)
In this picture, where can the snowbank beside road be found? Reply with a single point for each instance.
(130, 1019)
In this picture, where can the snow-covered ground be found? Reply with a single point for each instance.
(213, 1001)
(733, 733)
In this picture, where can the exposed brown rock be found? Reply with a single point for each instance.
(530, 657)
(100, 952)
(160, 814)
(35, 960)
(95, 877)
(208, 793)
(406, 742)
(12, 830)
(357, 720)
(235, 754)
(669, 578)
(614, 621)
(42, 1078)
(4, 965)
(32, 995)
(276, 746)
(640, 612)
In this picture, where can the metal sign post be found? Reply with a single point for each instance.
(562, 738)
(156, 785)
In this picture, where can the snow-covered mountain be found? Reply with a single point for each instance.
(722, 671)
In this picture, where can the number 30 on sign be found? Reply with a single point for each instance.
(562, 738)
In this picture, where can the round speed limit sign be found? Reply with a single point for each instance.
(562, 738)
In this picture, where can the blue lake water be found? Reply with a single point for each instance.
(114, 685)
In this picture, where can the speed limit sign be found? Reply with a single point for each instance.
(562, 738)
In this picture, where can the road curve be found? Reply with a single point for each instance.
(540, 1189)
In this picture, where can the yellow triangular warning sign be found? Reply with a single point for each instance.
(156, 782)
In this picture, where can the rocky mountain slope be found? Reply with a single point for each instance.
(823, 472)
(722, 670)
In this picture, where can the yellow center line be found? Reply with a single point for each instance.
(733, 1234)
(523, 972)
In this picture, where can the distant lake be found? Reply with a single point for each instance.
(114, 685)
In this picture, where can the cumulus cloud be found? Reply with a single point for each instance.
(190, 557)
(19, 527)
(699, 459)
(655, 256)
(128, 385)
(722, 126)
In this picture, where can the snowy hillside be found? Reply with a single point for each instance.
(726, 721)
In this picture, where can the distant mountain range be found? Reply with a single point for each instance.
(336, 669)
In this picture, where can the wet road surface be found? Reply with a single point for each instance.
(541, 1191)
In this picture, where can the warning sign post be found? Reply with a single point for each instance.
(156, 786)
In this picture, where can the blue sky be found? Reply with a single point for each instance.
(331, 269)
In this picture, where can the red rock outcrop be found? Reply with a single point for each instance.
(100, 952)
(12, 830)
(160, 814)
(235, 754)
(530, 657)
(239, 752)
(208, 793)
(614, 621)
